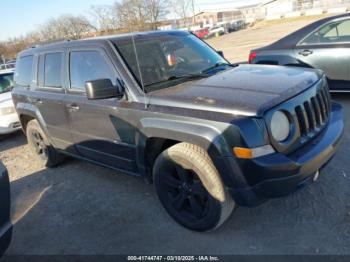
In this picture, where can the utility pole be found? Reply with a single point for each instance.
(194, 13)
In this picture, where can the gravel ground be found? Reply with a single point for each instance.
(78, 208)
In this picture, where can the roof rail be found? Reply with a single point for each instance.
(51, 42)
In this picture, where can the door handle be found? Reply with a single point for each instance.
(73, 107)
(305, 52)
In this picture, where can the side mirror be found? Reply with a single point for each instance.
(220, 53)
(103, 89)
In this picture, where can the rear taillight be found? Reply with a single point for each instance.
(252, 56)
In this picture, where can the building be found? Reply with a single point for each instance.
(293, 8)
(214, 17)
(256, 11)
(253, 13)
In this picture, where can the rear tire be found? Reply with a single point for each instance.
(190, 188)
(40, 145)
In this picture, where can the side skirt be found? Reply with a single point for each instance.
(124, 172)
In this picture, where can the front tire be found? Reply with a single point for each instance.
(40, 145)
(190, 188)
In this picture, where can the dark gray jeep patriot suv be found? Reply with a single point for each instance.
(167, 107)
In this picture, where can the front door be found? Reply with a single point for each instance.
(100, 130)
(328, 49)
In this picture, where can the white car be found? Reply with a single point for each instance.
(217, 30)
(9, 121)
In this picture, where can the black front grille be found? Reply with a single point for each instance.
(313, 114)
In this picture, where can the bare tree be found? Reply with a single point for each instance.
(66, 26)
(156, 10)
(140, 15)
(127, 15)
(184, 9)
(132, 15)
(105, 17)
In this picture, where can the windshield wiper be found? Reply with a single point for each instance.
(185, 77)
(217, 65)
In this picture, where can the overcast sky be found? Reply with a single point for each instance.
(19, 17)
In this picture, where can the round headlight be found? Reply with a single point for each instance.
(280, 126)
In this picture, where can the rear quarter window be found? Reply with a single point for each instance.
(24, 71)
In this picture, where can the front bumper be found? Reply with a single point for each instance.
(9, 124)
(277, 174)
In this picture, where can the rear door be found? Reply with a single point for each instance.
(328, 48)
(101, 132)
(49, 97)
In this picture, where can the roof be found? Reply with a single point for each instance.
(218, 10)
(233, 5)
(100, 39)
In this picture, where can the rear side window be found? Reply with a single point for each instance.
(24, 71)
(336, 32)
(52, 70)
(88, 65)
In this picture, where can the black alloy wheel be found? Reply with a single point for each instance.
(186, 194)
(179, 176)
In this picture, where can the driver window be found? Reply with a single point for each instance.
(87, 66)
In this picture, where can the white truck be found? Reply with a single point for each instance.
(9, 121)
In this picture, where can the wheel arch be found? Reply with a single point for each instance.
(156, 135)
(28, 112)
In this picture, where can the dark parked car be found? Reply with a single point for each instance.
(236, 25)
(5, 222)
(167, 107)
(324, 45)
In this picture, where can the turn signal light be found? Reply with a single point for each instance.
(248, 153)
(241, 152)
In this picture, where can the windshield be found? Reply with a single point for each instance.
(167, 59)
(6, 82)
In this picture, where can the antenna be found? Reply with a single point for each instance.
(139, 68)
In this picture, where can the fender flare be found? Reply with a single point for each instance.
(205, 136)
(24, 109)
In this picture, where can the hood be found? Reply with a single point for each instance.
(247, 90)
(6, 99)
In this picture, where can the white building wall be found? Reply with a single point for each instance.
(279, 7)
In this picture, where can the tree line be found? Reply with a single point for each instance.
(120, 17)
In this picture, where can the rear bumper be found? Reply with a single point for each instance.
(278, 174)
